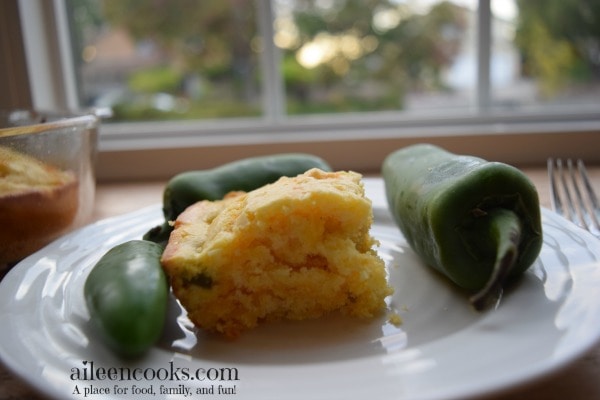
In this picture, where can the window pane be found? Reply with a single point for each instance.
(546, 52)
(356, 55)
(167, 59)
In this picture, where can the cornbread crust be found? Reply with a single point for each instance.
(296, 249)
(37, 203)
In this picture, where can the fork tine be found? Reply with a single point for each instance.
(581, 207)
(570, 204)
(584, 211)
(588, 185)
(591, 196)
(555, 200)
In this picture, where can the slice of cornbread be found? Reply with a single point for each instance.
(298, 248)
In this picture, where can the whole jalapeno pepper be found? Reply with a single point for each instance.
(246, 174)
(126, 294)
(477, 222)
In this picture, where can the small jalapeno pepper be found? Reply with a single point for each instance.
(247, 174)
(477, 222)
(126, 294)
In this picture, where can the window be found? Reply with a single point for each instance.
(357, 75)
(168, 59)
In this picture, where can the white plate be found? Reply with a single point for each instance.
(442, 349)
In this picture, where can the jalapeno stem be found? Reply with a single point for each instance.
(505, 231)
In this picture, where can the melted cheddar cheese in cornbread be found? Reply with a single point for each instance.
(296, 249)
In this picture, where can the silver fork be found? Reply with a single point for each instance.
(573, 195)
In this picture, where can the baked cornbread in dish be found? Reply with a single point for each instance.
(37, 203)
(296, 249)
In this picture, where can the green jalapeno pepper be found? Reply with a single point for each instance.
(477, 222)
(127, 295)
(247, 174)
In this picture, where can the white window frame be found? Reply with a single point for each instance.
(356, 141)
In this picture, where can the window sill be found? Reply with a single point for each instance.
(159, 150)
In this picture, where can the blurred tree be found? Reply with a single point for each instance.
(559, 41)
(153, 80)
(374, 50)
(211, 37)
(408, 52)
